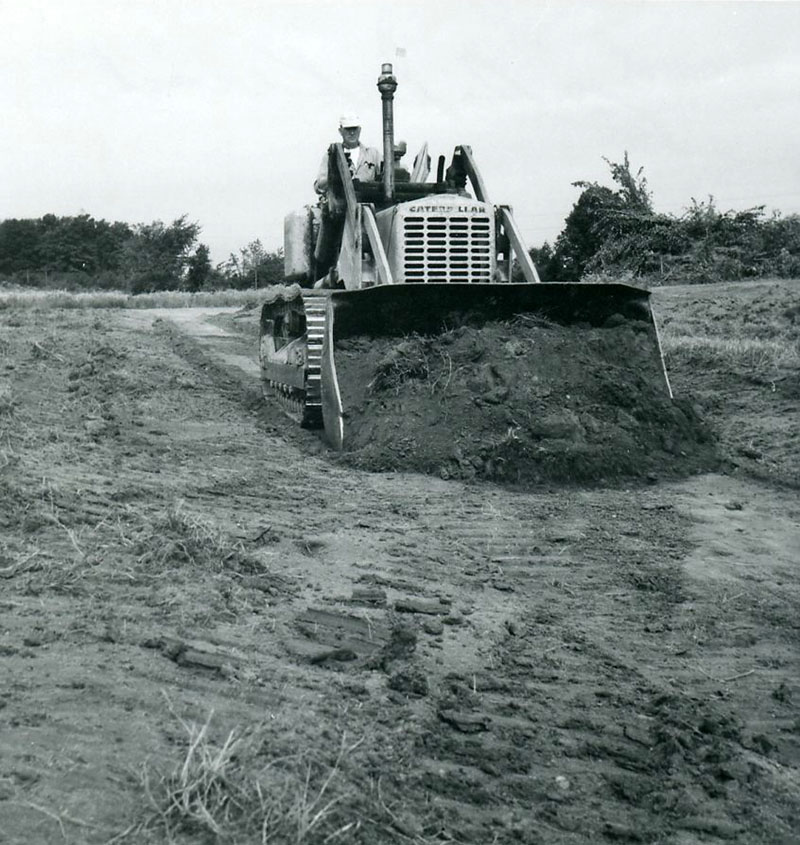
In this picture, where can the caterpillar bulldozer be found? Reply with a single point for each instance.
(409, 255)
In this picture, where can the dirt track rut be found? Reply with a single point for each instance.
(558, 665)
(587, 628)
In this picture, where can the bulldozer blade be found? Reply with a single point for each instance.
(430, 309)
(332, 408)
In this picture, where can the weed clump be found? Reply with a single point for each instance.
(178, 538)
(237, 790)
(402, 363)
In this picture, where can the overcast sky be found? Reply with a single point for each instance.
(142, 110)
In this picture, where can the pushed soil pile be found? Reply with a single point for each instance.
(520, 401)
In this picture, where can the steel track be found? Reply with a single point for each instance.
(304, 406)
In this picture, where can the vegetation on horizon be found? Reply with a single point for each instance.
(613, 234)
(80, 253)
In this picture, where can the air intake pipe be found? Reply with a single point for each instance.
(387, 85)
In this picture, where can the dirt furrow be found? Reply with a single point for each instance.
(556, 665)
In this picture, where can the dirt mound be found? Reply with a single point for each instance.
(520, 401)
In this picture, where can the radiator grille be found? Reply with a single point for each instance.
(448, 249)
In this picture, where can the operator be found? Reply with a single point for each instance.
(365, 165)
(365, 162)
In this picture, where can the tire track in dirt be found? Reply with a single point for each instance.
(545, 592)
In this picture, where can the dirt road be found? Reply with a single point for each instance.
(452, 662)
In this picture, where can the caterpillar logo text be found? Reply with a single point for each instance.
(447, 209)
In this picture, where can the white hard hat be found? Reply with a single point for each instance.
(348, 120)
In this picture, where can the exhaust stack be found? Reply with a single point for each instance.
(387, 85)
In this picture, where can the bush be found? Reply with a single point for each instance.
(615, 234)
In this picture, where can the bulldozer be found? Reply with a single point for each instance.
(410, 255)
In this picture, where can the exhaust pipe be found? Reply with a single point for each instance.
(387, 85)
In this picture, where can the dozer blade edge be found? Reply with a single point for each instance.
(430, 309)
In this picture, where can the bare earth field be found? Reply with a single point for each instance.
(215, 631)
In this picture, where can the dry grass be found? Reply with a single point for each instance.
(745, 328)
(46, 542)
(763, 356)
(8, 402)
(194, 571)
(235, 789)
(414, 359)
(406, 361)
(51, 299)
(178, 537)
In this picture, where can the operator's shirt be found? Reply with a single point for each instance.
(365, 166)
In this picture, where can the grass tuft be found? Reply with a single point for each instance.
(8, 403)
(235, 791)
(178, 537)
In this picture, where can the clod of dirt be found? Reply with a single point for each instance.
(342, 636)
(338, 655)
(519, 402)
(270, 583)
(468, 723)
(194, 653)
(409, 681)
(721, 828)
(432, 607)
(621, 832)
(372, 596)
(434, 627)
(33, 640)
(402, 644)
(311, 545)
(782, 693)
(734, 505)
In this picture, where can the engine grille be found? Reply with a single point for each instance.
(448, 248)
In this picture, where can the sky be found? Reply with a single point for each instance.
(220, 110)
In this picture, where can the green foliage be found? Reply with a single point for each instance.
(81, 253)
(614, 234)
(702, 245)
(542, 258)
(158, 255)
(585, 230)
(600, 214)
(199, 270)
(81, 244)
(61, 246)
(253, 267)
(19, 241)
(632, 189)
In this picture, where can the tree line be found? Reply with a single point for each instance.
(614, 233)
(611, 233)
(82, 253)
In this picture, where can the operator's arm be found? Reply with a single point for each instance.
(321, 182)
